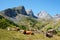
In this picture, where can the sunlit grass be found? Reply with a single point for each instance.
(13, 35)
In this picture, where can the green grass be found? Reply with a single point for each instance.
(13, 35)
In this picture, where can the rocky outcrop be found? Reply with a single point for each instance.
(20, 10)
(57, 17)
(12, 12)
(44, 15)
(30, 13)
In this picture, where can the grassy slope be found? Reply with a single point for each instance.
(12, 35)
(52, 24)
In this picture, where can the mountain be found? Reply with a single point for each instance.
(4, 23)
(44, 15)
(26, 20)
(19, 16)
(20, 10)
(13, 12)
(30, 13)
(57, 17)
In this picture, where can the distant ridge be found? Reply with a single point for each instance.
(44, 15)
(12, 13)
(30, 13)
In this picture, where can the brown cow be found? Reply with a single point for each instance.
(28, 32)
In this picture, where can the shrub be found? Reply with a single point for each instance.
(49, 28)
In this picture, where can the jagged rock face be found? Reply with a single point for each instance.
(30, 13)
(12, 12)
(57, 17)
(20, 10)
(9, 12)
(44, 15)
(16, 14)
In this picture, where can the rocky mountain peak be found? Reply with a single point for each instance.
(12, 12)
(44, 15)
(30, 13)
(20, 10)
(57, 17)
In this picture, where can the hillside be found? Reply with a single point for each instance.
(12, 35)
(4, 23)
(26, 20)
(44, 15)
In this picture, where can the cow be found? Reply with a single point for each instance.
(13, 29)
(8, 28)
(51, 32)
(17, 29)
(28, 32)
(21, 31)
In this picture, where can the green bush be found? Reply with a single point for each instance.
(49, 28)
(4, 23)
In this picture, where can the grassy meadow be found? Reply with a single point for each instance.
(14, 35)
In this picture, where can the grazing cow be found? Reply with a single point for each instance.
(17, 29)
(49, 35)
(51, 32)
(8, 28)
(21, 31)
(28, 32)
(13, 29)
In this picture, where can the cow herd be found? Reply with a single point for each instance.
(48, 33)
(28, 32)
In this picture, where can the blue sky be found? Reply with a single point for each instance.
(50, 6)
